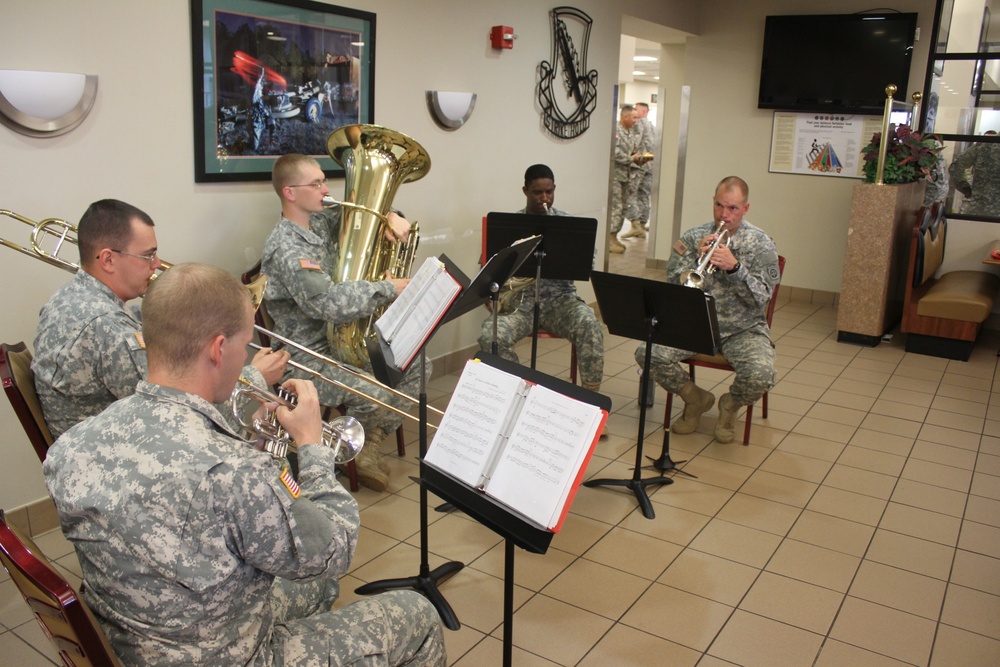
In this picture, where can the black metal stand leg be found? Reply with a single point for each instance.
(508, 603)
(664, 463)
(636, 483)
(427, 581)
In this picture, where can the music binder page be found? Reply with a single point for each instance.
(523, 444)
(409, 320)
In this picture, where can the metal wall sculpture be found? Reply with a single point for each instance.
(570, 117)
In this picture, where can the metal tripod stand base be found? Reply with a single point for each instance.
(427, 585)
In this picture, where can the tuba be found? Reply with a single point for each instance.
(376, 161)
(511, 295)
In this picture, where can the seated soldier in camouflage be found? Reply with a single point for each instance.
(89, 351)
(300, 256)
(198, 549)
(562, 312)
(745, 277)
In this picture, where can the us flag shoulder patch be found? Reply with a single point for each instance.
(290, 483)
(680, 248)
(311, 264)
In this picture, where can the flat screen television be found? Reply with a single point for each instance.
(838, 63)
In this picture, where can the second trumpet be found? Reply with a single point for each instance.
(344, 434)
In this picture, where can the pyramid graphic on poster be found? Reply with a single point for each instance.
(826, 160)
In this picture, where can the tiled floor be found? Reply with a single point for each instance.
(861, 526)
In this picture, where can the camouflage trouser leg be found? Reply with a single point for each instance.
(619, 198)
(510, 329)
(641, 182)
(751, 354)
(394, 628)
(575, 321)
(295, 599)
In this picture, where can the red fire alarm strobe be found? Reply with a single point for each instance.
(502, 37)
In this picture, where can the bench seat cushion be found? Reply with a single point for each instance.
(961, 295)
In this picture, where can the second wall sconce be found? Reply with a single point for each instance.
(45, 104)
(450, 109)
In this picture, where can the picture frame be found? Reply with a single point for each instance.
(273, 77)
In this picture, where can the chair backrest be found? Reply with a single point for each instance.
(769, 314)
(65, 618)
(19, 385)
(260, 316)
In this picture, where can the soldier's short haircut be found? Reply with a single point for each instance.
(627, 107)
(536, 171)
(734, 183)
(188, 306)
(287, 168)
(107, 224)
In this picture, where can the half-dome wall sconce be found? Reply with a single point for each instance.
(449, 109)
(45, 104)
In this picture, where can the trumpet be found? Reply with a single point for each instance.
(45, 230)
(344, 435)
(696, 278)
(347, 369)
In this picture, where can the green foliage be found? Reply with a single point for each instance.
(909, 156)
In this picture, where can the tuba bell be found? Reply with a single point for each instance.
(376, 161)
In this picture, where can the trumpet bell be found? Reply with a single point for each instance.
(347, 438)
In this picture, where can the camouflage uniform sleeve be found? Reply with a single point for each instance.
(300, 271)
(623, 148)
(121, 354)
(754, 281)
(960, 171)
(684, 254)
(291, 530)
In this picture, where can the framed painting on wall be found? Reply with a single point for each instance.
(273, 77)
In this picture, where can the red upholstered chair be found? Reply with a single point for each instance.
(719, 362)
(19, 385)
(541, 332)
(262, 319)
(65, 618)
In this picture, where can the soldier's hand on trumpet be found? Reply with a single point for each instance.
(722, 258)
(304, 424)
(271, 364)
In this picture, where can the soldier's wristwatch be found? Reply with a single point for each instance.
(735, 268)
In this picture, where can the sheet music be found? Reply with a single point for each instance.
(546, 447)
(470, 428)
(408, 321)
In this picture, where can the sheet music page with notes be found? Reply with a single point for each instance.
(482, 405)
(523, 444)
(546, 448)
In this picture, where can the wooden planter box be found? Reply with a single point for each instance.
(873, 283)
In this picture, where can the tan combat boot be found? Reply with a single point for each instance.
(374, 437)
(637, 230)
(370, 474)
(697, 401)
(725, 427)
(615, 246)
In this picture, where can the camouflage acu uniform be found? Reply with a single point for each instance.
(196, 549)
(301, 297)
(982, 187)
(740, 301)
(89, 352)
(641, 176)
(563, 313)
(626, 145)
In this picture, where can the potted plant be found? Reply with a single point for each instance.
(909, 156)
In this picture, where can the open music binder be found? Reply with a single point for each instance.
(410, 320)
(523, 444)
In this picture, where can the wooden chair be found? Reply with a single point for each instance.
(541, 332)
(719, 362)
(65, 618)
(262, 319)
(19, 385)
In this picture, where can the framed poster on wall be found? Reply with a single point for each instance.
(820, 144)
(273, 77)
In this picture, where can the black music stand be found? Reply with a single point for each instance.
(484, 287)
(516, 530)
(567, 249)
(660, 313)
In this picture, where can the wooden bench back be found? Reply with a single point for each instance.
(927, 249)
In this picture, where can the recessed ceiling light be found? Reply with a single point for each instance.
(644, 59)
(638, 73)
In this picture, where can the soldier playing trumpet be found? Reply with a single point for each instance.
(746, 272)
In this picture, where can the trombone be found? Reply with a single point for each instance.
(344, 435)
(347, 369)
(62, 231)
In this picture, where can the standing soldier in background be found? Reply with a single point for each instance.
(626, 154)
(641, 176)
